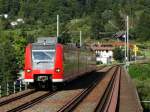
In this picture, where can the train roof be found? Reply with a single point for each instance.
(47, 40)
(44, 43)
(36, 46)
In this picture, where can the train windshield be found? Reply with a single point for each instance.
(43, 55)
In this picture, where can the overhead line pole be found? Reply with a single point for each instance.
(80, 38)
(125, 45)
(57, 26)
(127, 38)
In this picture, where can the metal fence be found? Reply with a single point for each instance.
(11, 88)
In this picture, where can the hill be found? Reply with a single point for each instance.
(103, 16)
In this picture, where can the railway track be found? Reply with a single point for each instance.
(16, 98)
(108, 102)
(71, 105)
(104, 89)
(76, 100)
(24, 101)
(32, 102)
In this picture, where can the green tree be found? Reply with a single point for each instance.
(8, 60)
(118, 54)
(98, 22)
(19, 47)
(143, 27)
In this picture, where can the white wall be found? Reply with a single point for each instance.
(104, 56)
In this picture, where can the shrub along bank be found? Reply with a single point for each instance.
(141, 76)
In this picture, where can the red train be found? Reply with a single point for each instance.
(48, 63)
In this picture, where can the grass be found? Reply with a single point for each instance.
(147, 53)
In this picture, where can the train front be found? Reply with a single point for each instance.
(43, 66)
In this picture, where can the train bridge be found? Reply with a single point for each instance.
(109, 89)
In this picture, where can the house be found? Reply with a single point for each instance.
(104, 51)
(14, 23)
(20, 20)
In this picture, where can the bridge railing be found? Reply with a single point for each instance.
(11, 88)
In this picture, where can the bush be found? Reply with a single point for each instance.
(118, 54)
(141, 75)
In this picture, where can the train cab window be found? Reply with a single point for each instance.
(43, 55)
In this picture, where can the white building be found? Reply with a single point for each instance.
(104, 54)
(104, 51)
(14, 23)
(5, 16)
(20, 20)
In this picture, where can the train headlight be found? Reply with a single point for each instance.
(28, 70)
(57, 70)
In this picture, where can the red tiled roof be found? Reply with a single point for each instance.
(108, 46)
(99, 48)
(117, 44)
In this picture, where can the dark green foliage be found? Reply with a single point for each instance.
(118, 54)
(138, 73)
(64, 38)
(8, 60)
(97, 21)
(10, 7)
(19, 48)
(143, 27)
(106, 15)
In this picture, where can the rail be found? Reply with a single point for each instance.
(32, 103)
(78, 99)
(108, 100)
(16, 98)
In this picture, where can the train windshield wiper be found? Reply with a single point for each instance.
(42, 61)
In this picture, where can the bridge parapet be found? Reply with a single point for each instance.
(129, 99)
